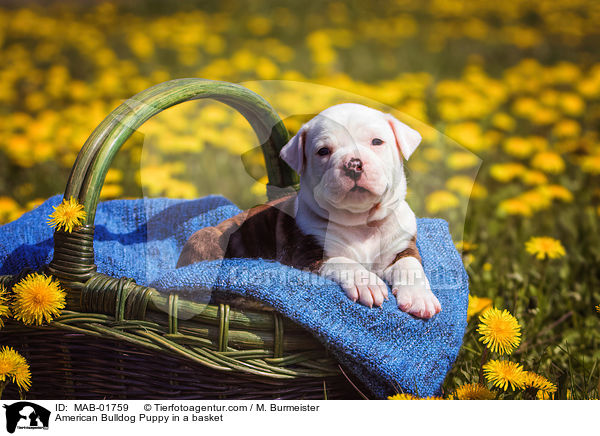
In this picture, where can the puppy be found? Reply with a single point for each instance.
(349, 222)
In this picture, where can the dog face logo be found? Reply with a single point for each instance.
(26, 415)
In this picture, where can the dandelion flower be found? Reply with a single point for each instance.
(67, 215)
(476, 305)
(536, 381)
(534, 177)
(466, 187)
(549, 162)
(591, 164)
(536, 199)
(557, 192)
(504, 374)
(465, 246)
(468, 134)
(503, 121)
(402, 397)
(4, 309)
(507, 171)
(411, 397)
(541, 395)
(8, 364)
(518, 147)
(22, 377)
(37, 299)
(441, 200)
(543, 246)
(514, 206)
(15, 367)
(462, 160)
(566, 129)
(474, 391)
(500, 331)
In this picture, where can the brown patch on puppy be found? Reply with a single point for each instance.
(267, 231)
(410, 251)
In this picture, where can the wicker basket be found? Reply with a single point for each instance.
(119, 340)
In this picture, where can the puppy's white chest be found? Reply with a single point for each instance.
(373, 246)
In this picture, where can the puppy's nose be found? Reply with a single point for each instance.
(354, 168)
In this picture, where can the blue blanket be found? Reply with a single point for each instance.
(388, 350)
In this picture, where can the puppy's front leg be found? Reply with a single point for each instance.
(411, 287)
(358, 283)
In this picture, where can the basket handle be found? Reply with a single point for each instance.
(73, 261)
(90, 168)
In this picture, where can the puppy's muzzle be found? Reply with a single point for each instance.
(353, 168)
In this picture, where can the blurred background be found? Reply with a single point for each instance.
(507, 95)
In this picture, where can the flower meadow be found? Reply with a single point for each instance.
(505, 94)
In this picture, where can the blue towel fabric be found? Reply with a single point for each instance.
(388, 350)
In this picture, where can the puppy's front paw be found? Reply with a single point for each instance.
(358, 283)
(366, 287)
(417, 300)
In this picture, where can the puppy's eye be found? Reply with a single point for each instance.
(324, 151)
(376, 141)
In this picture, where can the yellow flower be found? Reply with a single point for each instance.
(259, 187)
(474, 391)
(541, 395)
(468, 259)
(465, 246)
(503, 121)
(67, 215)
(549, 162)
(8, 364)
(402, 397)
(110, 191)
(411, 397)
(462, 160)
(536, 199)
(534, 177)
(514, 206)
(500, 331)
(557, 192)
(543, 246)
(505, 172)
(487, 266)
(566, 129)
(467, 134)
(13, 366)
(544, 116)
(572, 104)
(37, 299)
(504, 374)
(258, 25)
(440, 200)
(9, 210)
(525, 107)
(476, 305)
(536, 381)
(4, 309)
(591, 164)
(22, 377)
(518, 147)
(466, 187)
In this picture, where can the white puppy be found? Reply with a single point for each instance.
(352, 200)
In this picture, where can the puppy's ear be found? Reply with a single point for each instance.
(407, 139)
(293, 152)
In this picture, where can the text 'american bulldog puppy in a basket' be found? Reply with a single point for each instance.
(349, 222)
